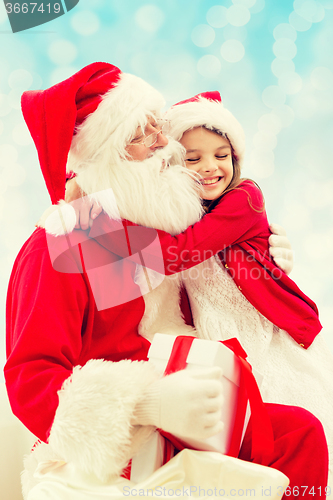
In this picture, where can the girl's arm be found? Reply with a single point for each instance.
(238, 217)
(208, 230)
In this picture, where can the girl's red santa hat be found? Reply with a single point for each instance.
(95, 106)
(206, 110)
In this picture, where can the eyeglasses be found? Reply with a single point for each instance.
(151, 139)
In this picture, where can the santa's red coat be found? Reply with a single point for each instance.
(53, 324)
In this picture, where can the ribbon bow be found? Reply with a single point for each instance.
(262, 433)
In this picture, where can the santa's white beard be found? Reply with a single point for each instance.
(155, 192)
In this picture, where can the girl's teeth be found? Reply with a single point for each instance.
(211, 181)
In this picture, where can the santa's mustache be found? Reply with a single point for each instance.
(171, 154)
(158, 192)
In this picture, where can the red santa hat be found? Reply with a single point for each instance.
(92, 106)
(206, 110)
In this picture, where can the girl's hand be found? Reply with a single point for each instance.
(280, 248)
(86, 210)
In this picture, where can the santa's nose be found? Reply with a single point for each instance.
(161, 142)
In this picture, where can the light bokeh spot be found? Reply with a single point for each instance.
(305, 106)
(238, 15)
(37, 81)
(217, 16)
(5, 107)
(232, 51)
(296, 217)
(203, 35)
(290, 83)
(285, 49)
(150, 18)
(319, 244)
(285, 114)
(273, 96)
(258, 7)
(20, 79)
(21, 135)
(62, 73)
(262, 163)
(3, 189)
(269, 122)
(318, 195)
(245, 3)
(1, 126)
(310, 10)
(298, 22)
(327, 4)
(265, 140)
(8, 154)
(85, 22)
(322, 78)
(309, 155)
(235, 33)
(285, 30)
(16, 211)
(280, 66)
(14, 175)
(14, 98)
(62, 52)
(209, 66)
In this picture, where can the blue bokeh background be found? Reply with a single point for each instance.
(273, 64)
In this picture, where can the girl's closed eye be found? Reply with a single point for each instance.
(209, 155)
(192, 159)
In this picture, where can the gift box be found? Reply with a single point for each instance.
(151, 456)
(206, 353)
(169, 354)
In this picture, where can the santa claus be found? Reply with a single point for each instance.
(76, 372)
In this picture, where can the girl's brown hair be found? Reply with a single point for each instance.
(235, 181)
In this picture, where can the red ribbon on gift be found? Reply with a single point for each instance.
(262, 432)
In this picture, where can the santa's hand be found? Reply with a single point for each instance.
(86, 210)
(187, 403)
(280, 248)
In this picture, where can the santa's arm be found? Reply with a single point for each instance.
(83, 412)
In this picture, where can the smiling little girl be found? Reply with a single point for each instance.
(239, 292)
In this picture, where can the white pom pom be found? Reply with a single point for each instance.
(58, 219)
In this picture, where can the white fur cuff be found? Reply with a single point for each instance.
(92, 426)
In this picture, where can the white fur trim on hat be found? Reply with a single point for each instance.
(210, 114)
(122, 109)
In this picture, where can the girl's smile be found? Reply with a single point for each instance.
(210, 155)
